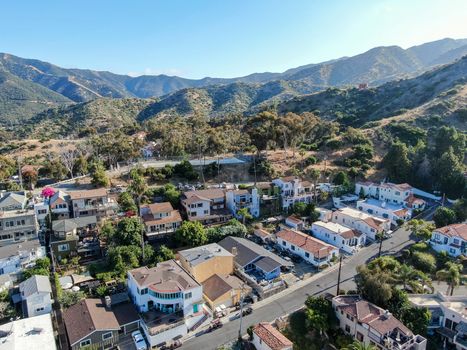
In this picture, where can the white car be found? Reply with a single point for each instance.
(139, 341)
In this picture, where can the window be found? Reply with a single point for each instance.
(359, 336)
(284, 243)
(452, 251)
(307, 255)
(39, 309)
(347, 328)
(63, 247)
(200, 205)
(206, 212)
(85, 343)
(292, 247)
(188, 295)
(107, 335)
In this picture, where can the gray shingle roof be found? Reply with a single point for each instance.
(248, 252)
(267, 264)
(13, 249)
(12, 198)
(67, 225)
(35, 284)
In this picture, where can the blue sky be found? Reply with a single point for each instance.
(219, 38)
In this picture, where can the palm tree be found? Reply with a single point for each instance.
(356, 345)
(450, 274)
(137, 188)
(406, 275)
(425, 281)
(245, 214)
(314, 175)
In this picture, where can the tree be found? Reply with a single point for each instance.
(450, 274)
(29, 174)
(416, 319)
(163, 254)
(341, 179)
(126, 202)
(244, 213)
(356, 345)
(375, 285)
(98, 176)
(7, 168)
(397, 162)
(424, 262)
(123, 258)
(69, 298)
(128, 232)
(68, 157)
(449, 175)
(191, 233)
(420, 228)
(314, 175)
(319, 314)
(81, 165)
(444, 216)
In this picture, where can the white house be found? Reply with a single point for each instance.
(59, 204)
(239, 199)
(342, 237)
(170, 300)
(370, 324)
(294, 223)
(385, 210)
(294, 190)
(368, 224)
(35, 296)
(451, 239)
(266, 337)
(206, 206)
(160, 219)
(324, 214)
(401, 194)
(312, 250)
(33, 332)
(16, 257)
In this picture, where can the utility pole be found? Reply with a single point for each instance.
(20, 175)
(241, 313)
(381, 236)
(339, 276)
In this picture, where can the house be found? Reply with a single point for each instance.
(269, 198)
(73, 237)
(29, 332)
(169, 299)
(13, 201)
(98, 323)
(368, 224)
(394, 212)
(206, 206)
(242, 198)
(204, 261)
(266, 337)
(399, 194)
(91, 203)
(312, 250)
(294, 223)
(17, 226)
(340, 236)
(14, 258)
(452, 239)
(35, 296)
(448, 316)
(252, 259)
(59, 205)
(160, 219)
(324, 214)
(294, 190)
(263, 235)
(223, 289)
(370, 324)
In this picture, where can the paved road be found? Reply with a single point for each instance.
(295, 300)
(290, 302)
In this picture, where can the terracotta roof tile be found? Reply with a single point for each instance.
(272, 337)
(310, 244)
(454, 230)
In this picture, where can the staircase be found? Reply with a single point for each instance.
(200, 321)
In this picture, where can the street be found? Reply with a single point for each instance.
(294, 300)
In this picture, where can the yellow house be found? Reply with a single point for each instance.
(224, 290)
(205, 261)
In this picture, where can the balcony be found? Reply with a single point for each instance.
(157, 322)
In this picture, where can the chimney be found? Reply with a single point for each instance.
(234, 251)
(108, 302)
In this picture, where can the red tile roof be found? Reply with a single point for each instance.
(211, 193)
(164, 207)
(294, 219)
(310, 244)
(271, 336)
(454, 230)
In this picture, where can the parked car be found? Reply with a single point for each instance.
(247, 311)
(217, 323)
(139, 341)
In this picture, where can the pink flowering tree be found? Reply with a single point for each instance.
(48, 192)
